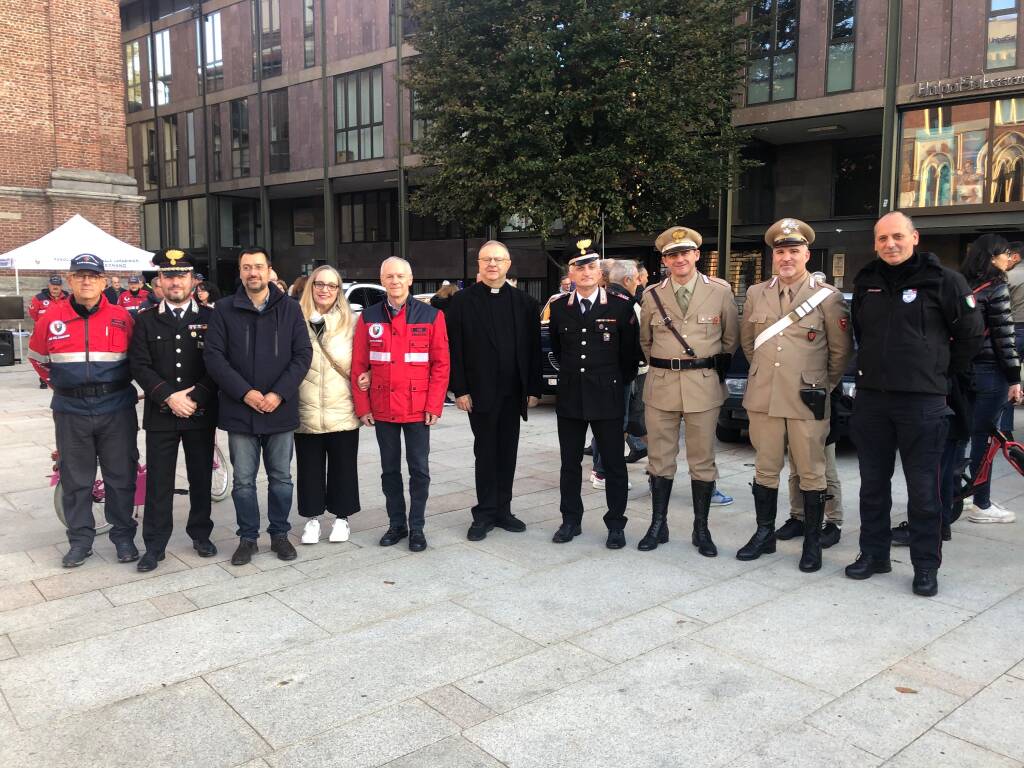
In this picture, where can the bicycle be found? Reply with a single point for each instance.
(219, 490)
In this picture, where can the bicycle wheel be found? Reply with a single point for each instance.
(220, 487)
(102, 526)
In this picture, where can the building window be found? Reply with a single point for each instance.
(151, 226)
(771, 74)
(1008, 152)
(169, 140)
(303, 226)
(270, 37)
(130, 141)
(429, 228)
(841, 46)
(197, 215)
(190, 147)
(239, 138)
(409, 24)
(163, 8)
(359, 115)
(308, 34)
(133, 76)
(277, 117)
(151, 173)
(238, 221)
(856, 178)
(367, 217)
(214, 66)
(161, 42)
(134, 14)
(215, 141)
(419, 124)
(1002, 34)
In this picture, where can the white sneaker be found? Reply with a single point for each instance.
(340, 531)
(311, 533)
(968, 507)
(598, 482)
(994, 514)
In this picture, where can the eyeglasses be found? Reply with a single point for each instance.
(493, 259)
(325, 286)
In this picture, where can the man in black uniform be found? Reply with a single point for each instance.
(916, 326)
(166, 356)
(494, 338)
(595, 337)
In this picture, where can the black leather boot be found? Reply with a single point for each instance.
(814, 513)
(701, 539)
(766, 502)
(661, 490)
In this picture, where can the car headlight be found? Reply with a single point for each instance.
(849, 389)
(736, 386)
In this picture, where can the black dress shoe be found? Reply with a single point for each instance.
(867, 566)
(635, 455)
(479, 531)
(790, 529)
(588, 451)
(42, 384)
(510, 523)
(149, 561)
(283, 546)
(926, 582)
(566, 532)
(901, 535)
(393, 535)
(127, 552)
(616, 539)
(205, 548)
(417, 541)
(830, 535)
(947, 534)
(246, 549)
(75, 556)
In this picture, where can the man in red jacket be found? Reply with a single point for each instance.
(403, 344)
(43, 301)
(135, 296)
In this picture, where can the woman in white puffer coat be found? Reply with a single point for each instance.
(327, 440)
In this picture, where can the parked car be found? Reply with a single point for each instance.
(362, 295)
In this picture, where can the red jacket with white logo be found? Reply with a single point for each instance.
(84, 359)
(42, 302)
(407, 356)
(132, 301)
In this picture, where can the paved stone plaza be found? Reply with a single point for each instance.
(512, 651)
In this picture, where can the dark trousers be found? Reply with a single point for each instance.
(495, 447)
(325, 473)
(161, 462)
(952, 459)
(417, 458)
(110, 439)
(916, 426)
(608, 434)
(990, 392)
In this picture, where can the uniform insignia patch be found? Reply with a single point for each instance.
(376, 331)
(970, 301)
(844, 323)
(909, 295)
(812, 335)
(57, 327)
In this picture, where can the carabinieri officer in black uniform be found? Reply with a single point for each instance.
(595, 337)
(166, 357)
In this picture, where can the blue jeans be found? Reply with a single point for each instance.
(634, 443)
(417, 458)
(245, 453)
(991, 390)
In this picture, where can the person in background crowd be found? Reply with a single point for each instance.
(207, 293)
(156, 294)
(996, 369)
(45, 300)
(166, 358)
(403, 344)
(512, 280)
(299, 287)
(565, 285)
(443, 297)
(641, 282)
(1015, 278)
(327, 440)
(283, 286)
(114, 289)
(916, 325)
(81, 350)
(135, 296)
(258, 351)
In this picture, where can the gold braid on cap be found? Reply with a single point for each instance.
(173, 255)
(583, 245)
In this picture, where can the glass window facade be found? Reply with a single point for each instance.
(216, 142)
(161, 42)
(133, 76)
(192, 169)
(277, 118)
(359, 115)
(240, 138)
(269, 43)
(151, 171)
(1001, 51)
(169, 147)
(367, 217)
(308, 34)
(214, 66)
(771, 73)
(841, 46)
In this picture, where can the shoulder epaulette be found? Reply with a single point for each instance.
(720, 281)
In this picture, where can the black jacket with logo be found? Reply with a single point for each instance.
(915, 331)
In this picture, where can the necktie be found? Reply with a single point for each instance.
(585, 304)
(683, 299)
(178, 312)
(787, 300)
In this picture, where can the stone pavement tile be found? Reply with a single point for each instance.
(49, 612)
(886, 713)
(981, 649)
(944, 681)
(530, 677)
(165, 584)
(20, 539)
(138, 659)
(636, 634)
(84, 626)
(18, 567)
(80, 580)
(351, 599)
(369, 741)
(724, 599)
(803, 747)
(173, 604)
(668, 707)
(181, 726)
(831, 612)
(533, 548)
(936, 749)
(243, 586)
(555, 604)
(457, 705)
(453, 752)
(342, 558)
(780, 571)
(7, 650)
(14, 596)
(358, 672)
(994, 719)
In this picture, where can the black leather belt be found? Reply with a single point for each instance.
(682, 363)
(91, 390)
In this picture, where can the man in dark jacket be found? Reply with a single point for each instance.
(258, 352)
(166, 357)
(916, 326)
(494, 336)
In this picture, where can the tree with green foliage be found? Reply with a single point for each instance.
(568, 110)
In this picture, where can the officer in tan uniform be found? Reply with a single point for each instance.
(796, 334)
(688, 332)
